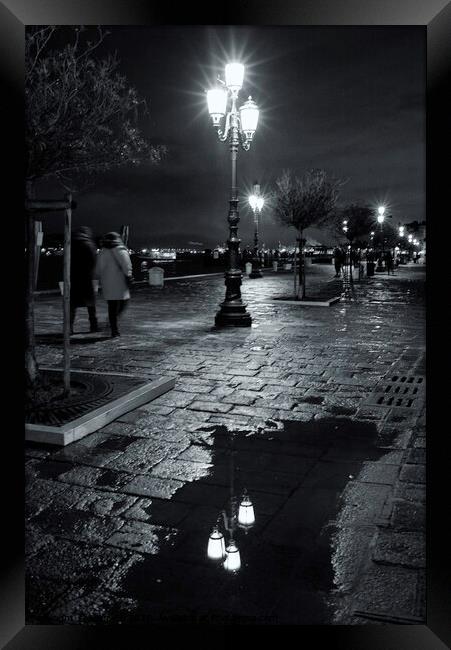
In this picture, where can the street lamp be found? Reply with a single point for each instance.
(256, 202)
(239, 129)
(401, 231)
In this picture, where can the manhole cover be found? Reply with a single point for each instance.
(89, 392)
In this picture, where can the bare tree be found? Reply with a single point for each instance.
(81, 119)
(360, 221)
(386, 236)
(302, 202)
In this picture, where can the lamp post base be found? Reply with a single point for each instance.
(233, 315)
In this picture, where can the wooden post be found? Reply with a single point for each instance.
(37, 255)
(66, 296)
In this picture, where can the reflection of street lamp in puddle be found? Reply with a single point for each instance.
(244, 518)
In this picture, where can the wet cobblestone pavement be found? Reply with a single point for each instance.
(318, 412)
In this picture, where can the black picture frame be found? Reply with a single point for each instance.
(435, 17)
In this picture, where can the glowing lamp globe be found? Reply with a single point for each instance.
(249, 118)
(253, 201)
(232, 561)
(381, 210)
(216, 545)
(380, 218)
(260, 202)
(234, 75)
(246, 516)
(217, 104)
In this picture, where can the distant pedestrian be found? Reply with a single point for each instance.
(338, 261)
(114, 269)
(83, 264)
(389, 263)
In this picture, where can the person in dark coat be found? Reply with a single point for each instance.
(389, 263)
(82, 271)
(338, 261)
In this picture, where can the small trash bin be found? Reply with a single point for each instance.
(274, 266)
(287, 266)
(370, 269)
(248, 268)
(156, 277)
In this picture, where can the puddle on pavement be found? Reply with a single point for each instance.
(295, 477)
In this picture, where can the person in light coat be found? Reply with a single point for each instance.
(114, 270)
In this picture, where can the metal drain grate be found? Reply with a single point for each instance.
(90, 391)
(395, 401)
(404, 379)
(400, 390)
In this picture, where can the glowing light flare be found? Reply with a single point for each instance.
(253, 201)
(217, 103)
(234, 76)
(249, 117)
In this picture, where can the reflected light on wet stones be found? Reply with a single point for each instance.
(233, 560)
(246, 516)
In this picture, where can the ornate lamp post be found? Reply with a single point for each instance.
(347, 269)
(239, 129)
(256, 202)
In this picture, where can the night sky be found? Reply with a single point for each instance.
(350, 100)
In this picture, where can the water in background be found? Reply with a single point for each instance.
(51, 268)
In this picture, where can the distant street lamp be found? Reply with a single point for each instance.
(380, 221)
(256, 202)
(240, 126)
(401, 231)
(347, 270)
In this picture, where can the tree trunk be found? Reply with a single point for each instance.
(66, 296)
(295, 273)
(301, 287)
(31, 367)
